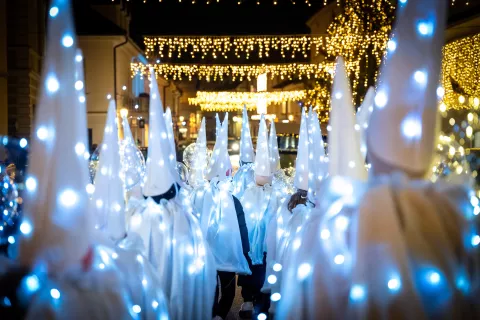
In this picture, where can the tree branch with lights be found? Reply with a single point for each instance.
(360, 35)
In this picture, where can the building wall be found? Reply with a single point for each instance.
(25, 45)
(99, 77)
(3, 69)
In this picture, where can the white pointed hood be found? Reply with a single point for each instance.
(127, 133)
(262, 160)
(363, 118)
(316, 156)
(402, 127)
(345, 158)
(108, 204)
(246, 145)
(161, 170)
(171, 137)
(200, 160)
(273, 147)
(218, 125)
(220, 165)
(301, 164)
(57, 225)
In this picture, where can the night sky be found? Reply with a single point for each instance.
(226, 17)
(223, 18)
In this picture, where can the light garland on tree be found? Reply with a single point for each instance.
(460, 74)
(319, 99)
(237, 72)
(292, 46)
(360, 35)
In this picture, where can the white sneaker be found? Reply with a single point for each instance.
(246, 310)
(217, 318)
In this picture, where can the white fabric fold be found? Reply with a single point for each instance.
(219, 224)
(173, 242)
(260, 204)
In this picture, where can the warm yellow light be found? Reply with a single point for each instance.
(470, 117)
(232, 100)
(270, 117)
(291, 117)
(237, 46)
(476, 102)
(469, 132)
(451, 151)
(459, 170)
(451, 121)
(181, 118)
(124, 112)
(460, 66)
(262, 82)
(218, 72)
(442, 107)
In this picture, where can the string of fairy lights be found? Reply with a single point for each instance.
(240, 2)
(229, 107)
(230, 101)
(453, 3)
(289, 46)
(460, 74)
(236, 72)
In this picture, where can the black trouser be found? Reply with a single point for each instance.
(227, 284)
(251, 286)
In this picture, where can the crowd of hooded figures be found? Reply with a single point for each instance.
(353, 240)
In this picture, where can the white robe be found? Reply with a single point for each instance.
(260, 204)
(281, 232)
(119, 285)
(218, 219)
(173, 242)
(397, 249)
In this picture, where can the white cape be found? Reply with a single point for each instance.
(281, 232)
(260, 203)
(119, 285)
(173, 242)
(397, 249)
(218, 219)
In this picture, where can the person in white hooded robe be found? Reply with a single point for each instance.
(363, 118)
(223, 222)
(279, 179)
(196, 176)
(344, 149)
(63, 270)
(170, 236)
(132, 161)
(260, 202)
(400, 247)
(244, 177)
